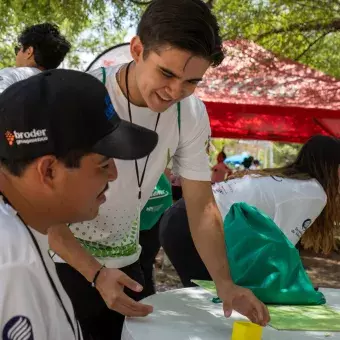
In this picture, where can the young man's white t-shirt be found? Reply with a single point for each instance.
(113, 236)
(29, 307)
(292, 204)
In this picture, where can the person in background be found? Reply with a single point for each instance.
(41, 46)
(56, 136)
(247, 162)
(302, 199)
(176, 187)
(220, 171)
(255, 165)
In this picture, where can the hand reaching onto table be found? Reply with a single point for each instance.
(243, 301)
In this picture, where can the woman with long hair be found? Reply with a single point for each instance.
(302, 198)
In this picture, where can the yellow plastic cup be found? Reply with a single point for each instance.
(246, 330)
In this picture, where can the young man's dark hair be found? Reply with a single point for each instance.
(41, 46)
(193, 28)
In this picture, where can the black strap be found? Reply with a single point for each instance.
(51, 280)
(179, 116)
(139, 180)
(77, 336)
(94, 282)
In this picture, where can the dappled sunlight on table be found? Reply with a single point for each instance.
(189, 314)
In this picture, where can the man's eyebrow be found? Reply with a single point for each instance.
(164, 69)
(104, 159)
(169, 72)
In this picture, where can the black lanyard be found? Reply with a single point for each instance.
(139, 180)
(77, 336)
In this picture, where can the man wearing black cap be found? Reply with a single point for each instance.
(59, 130)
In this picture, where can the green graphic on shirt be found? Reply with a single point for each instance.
(207, 145)
(126, 247)
(168, 158)
(98, 250)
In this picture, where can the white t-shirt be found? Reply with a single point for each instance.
(292, 204)
(29, 307)
(113, 236)
(11, 75)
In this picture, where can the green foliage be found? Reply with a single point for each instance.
(285, 153)
(305, 30)
(90, 25)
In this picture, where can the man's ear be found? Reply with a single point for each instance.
(47, 168)
(136, 48)
(29, 52)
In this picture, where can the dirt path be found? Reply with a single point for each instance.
(324, 271)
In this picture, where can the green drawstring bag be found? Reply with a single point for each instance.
(262, 259)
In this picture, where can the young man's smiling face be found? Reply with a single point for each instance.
(167, 75)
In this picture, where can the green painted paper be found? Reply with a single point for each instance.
(207, 285)
(295, 318)
(305, 318)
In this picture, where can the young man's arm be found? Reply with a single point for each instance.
(206, 227)
(110, 282)
(191, 162)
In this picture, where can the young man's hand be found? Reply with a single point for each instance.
(111, 283)
(243, 301)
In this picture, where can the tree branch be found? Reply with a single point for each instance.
(305, 27)
(210, 3)
(141, 3)
(311, 45)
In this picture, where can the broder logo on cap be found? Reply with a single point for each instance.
(10, 137)
(28, 137)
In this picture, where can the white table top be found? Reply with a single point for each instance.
(189, 314)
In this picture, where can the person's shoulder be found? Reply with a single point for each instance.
(193, 107)
(301, 188)
(99, 72)
(219, 166)
(19, 72)
(15, 242)
(11, 75)
(316, 189)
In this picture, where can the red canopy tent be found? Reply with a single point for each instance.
(255, 95)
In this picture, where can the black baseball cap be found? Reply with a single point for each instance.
(61, 110)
